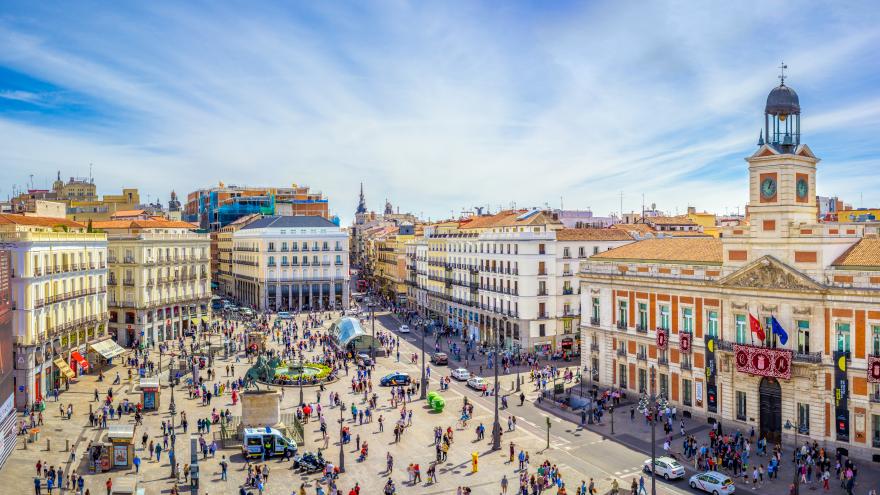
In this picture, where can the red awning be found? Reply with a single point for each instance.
(76, 356)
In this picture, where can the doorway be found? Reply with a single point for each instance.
(770, 393)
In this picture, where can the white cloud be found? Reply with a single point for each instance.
(437, 107)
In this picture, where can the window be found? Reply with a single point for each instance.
(803, 339)
(581, 252)
(284, 246)
(687, 320)
(843, 336)
(875, 340)
(664, 317)
(741, 332)
(566, 252)
(621, 313)
(664, 385)
(803, 421)
(595, 310)
(643, 315)
(741, 406)
(643, 379)
(541, 249)
(542, 268)
(622, 375)
(271, 246)
(686, 392)
(595, 249)
(542, 330)
(712, 323)
(271, 261)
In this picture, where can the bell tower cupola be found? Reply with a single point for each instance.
(782, 117)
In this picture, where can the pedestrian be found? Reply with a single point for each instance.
(109, 485)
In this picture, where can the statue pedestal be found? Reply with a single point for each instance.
(260, 408)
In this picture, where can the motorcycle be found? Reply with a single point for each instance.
(309, 462)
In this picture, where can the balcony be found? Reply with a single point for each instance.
(663, 360)
(621, 325)
(567, 291)
(874, 397)
(686, 365)
(111, 281)
(542, 292)
(38, 272)
(128, 282)
(594, 347)
(642, 356)
(543, 316)
(595, 321)
(149, 283)
(128, 260)
(621, 352)
(640, 328)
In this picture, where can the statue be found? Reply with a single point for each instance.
(261, 370)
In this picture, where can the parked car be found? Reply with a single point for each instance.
(364, 359)
(713, 482)
(283, 315)
(403, 329)
(396, 378)
(477, 383)
(439, 358)
(460, 374)
(665, 466)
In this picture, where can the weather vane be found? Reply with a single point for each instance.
(782, 68)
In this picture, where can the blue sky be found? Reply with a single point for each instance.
(437, 106)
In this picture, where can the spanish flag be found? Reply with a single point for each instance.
(756, 327)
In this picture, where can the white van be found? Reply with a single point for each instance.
(270, 439)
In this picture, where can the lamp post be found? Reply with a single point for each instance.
(796, 427)
(341, 451)
(373, 323)
(172, 408)
(424, 383)
(496, 426)
(652, 405)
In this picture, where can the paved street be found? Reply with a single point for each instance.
(579, 454)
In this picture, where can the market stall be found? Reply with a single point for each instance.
(107, 350)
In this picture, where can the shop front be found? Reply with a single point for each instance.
(79, 363)
(105, 350)
(64, 371)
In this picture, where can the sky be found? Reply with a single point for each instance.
(438, 106)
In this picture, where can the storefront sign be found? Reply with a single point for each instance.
(874, 369)
(662, 338)
(710, 371)
(684, 342)
(841, 396)
(762, 361)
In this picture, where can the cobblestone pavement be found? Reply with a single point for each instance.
(578, 453)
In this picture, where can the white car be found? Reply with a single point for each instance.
(403, 329)
(284, 315)
(477, 383)
(460, 374)
(713, 482)
(667, 467)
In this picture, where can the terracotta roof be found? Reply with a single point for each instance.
(669, 249)
(592, 235)
(143, 224)
(634, 227)
(16, 219)
(865, 253)
(682, 233)
(507, 218)
(128, 213)
(677, 220)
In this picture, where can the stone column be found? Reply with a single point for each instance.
(345, 295)
(311, 302)
(299, 290)
(321, 295)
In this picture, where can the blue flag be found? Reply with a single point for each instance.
(778, 330)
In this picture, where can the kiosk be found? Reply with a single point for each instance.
(126, 485)
(149, 387)
(115, 450)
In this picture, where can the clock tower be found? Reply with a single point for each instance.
(782, 172)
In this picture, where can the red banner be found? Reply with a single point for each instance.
(762, 361)
(873, 369)
(684, 342)
(662, 338)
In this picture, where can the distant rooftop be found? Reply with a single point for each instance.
(287, 222)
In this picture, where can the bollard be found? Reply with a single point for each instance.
(67, 445)
(25, 442)
(48, 445)
(90, 408)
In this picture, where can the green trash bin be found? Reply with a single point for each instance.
(439, 404)
(432, 396)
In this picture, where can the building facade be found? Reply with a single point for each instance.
(159, 282)
(59, 296)
(774, 325)
(512, 274)
(215, 207)
(294, 263)
(223, 276)
(8, 426)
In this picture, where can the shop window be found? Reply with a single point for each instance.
(803, 421)
(741, 406)
(686, 392)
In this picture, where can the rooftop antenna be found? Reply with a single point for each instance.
(32, 180)
(621, 205)
(561, 203)
(91, 179)
(782, 68)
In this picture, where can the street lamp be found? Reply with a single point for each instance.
(424, 383)
(301, 373)
(796, 427)
(652, 404)
(496, 426)
(372, 306)
(341, 451)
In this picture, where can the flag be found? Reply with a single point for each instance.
(778, 330)
(756, 327)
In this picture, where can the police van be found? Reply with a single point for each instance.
(270, 440)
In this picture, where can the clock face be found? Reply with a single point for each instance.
(802, 188)
(768, 188)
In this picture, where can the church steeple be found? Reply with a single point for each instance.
(362, 203)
